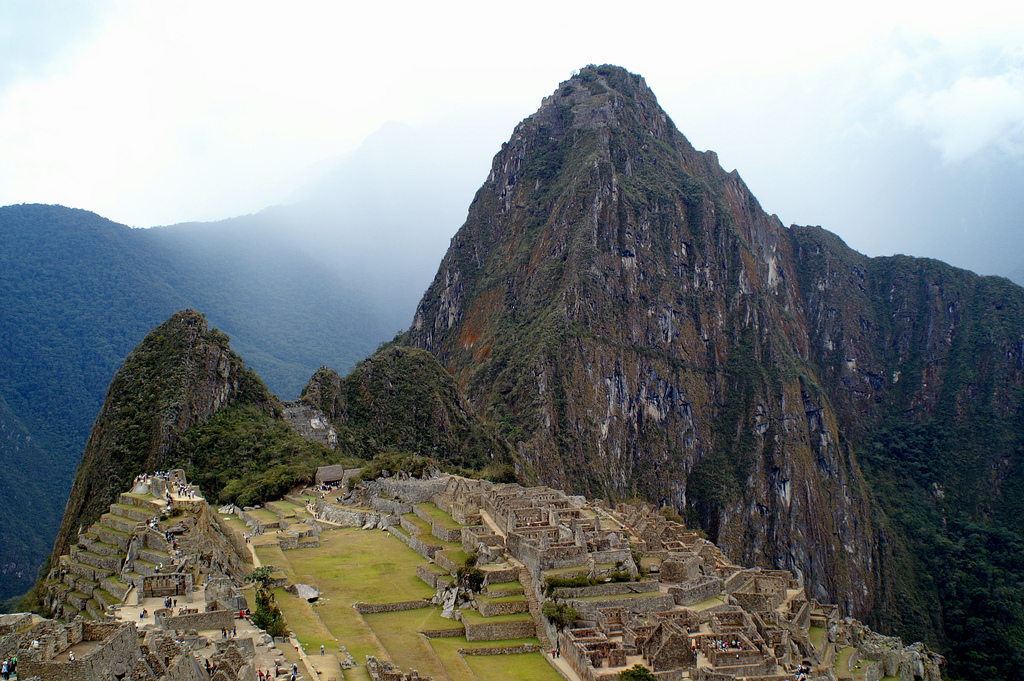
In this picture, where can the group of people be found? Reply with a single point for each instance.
(267, 676)
(9, 668)
(188, 491)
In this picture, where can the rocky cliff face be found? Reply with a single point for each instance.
(635, 324)
(177, 377)
(633, 320)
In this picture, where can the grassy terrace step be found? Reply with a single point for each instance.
(118, 522)
(431, 540)
(105, 598)
(104, 549)
(107, 563)
(438, 516)
(503, 589)
(86, 571)
(566, 572)
(423, 525)
(503, 599)
(154, 556)
(136, 513)
(144, 567)
(115, 587)
(473, 617)
(111, 535)
(147, 501)
(620, 597)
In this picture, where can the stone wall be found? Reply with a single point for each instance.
(116, 655)
(444, 633)
(446, 563)
(679, 568)
(500, 575)
(696, 591)
(495, 608)
(499, 630)
(432, 579)
(390, 506)
(369, 608)
(636, 604)
(498, 650)
(410, 489)
(352, 518)
(216, 619)
(417, 545)
(185, 668)
(12, 623)
(609, 589)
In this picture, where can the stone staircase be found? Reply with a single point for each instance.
(529, 588)
(89, 579)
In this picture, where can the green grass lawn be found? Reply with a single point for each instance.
(456, 555)
(619, 597)
(816, 635)
(399, 632)
(842, 665)
(304, 623)
(356, 674)
(351, 566)
(439, 516)
(524, 667)
(502, 599)
(504, 586)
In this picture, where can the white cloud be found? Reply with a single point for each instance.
(203, 110)
(971, 115)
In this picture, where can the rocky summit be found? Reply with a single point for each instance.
(637, 325)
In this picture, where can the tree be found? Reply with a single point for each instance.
(267, 616)
(637, 672)
(469, 575)
(562, 614)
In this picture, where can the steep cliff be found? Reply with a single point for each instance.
(177, 377)
(635, 324)
(631, 317)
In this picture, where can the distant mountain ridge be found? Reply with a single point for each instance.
(636, 324)
(81, 291)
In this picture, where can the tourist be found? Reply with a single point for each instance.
(71, 656)
(321, 650)
(4, 671)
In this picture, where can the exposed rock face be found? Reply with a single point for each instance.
(631, 314)
(634, 322)
(178, 376)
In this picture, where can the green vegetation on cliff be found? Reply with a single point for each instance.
(177, 377)
(401, 400)
(927, 361)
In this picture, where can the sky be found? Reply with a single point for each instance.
(898, 125)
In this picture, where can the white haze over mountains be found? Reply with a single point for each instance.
(897, 125)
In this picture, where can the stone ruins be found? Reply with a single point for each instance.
(150, 592)
(646, 590)
(153, 589)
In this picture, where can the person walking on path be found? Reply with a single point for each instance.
(321, 650)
